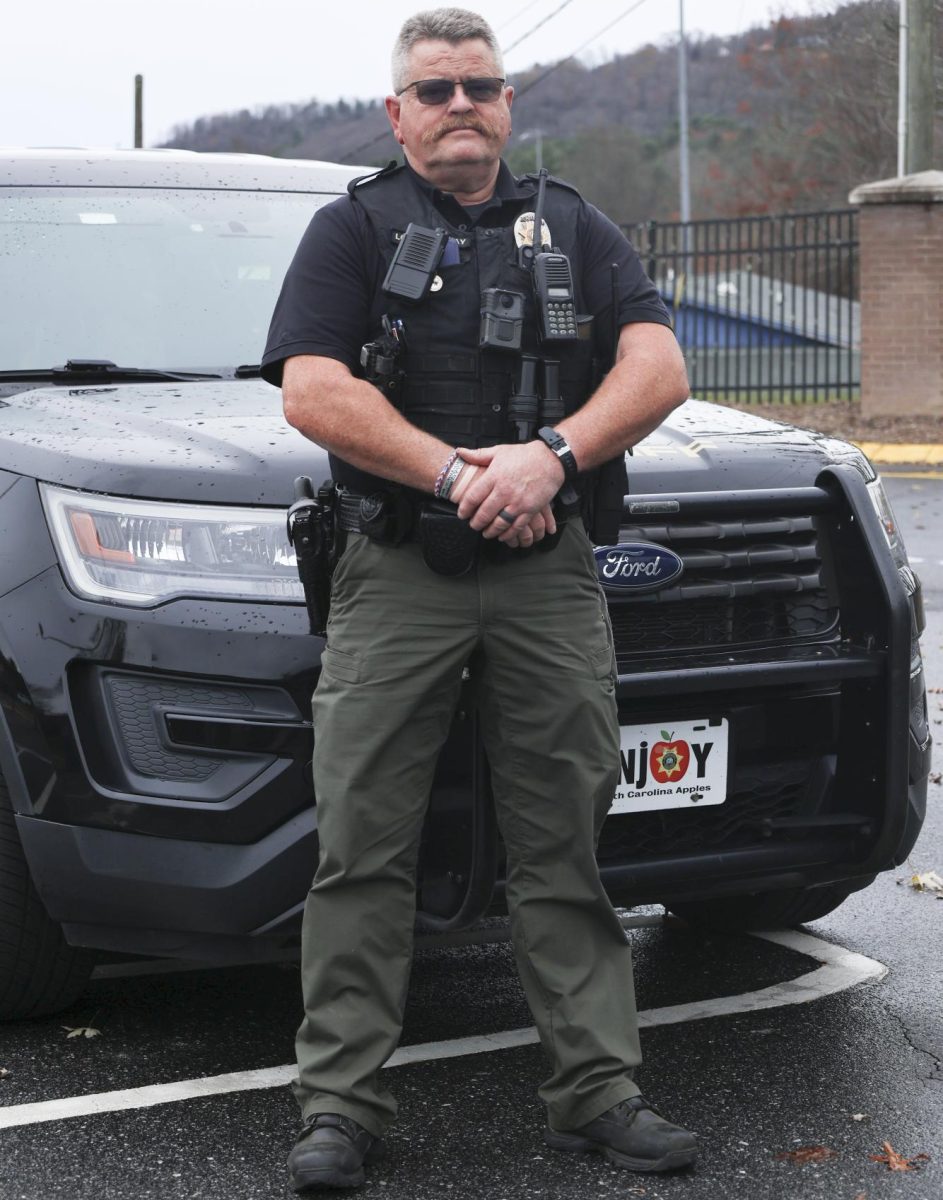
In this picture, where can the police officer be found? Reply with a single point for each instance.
(403, 623)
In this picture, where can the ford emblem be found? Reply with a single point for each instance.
(636, 566)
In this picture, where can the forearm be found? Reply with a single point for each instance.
(352, 419)
(647, 381)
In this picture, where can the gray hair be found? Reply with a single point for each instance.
(442, 25)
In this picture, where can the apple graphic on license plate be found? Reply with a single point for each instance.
(683, 765)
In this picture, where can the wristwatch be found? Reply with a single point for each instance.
(561, 448)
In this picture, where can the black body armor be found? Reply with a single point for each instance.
(444, 383)
(452, 389)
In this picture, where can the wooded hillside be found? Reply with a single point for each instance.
(787, 117)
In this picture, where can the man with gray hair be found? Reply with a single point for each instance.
(468, 473)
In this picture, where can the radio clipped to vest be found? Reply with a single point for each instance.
(556, 299)
(415, 262)
(553, 279)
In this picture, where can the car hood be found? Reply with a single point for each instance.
(221, 442)
(227, 442)
(708, 447)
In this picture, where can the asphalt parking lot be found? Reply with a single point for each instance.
(794, 1059)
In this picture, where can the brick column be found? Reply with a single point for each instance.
(901, 249)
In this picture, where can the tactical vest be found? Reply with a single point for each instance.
(452, 389)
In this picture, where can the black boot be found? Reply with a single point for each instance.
(631, 1135)
(330, 1153)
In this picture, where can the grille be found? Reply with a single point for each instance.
(775, 791)
(745, 583)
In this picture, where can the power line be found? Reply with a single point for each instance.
(358, 150)
(533, 29)
(522, 91)
(511, 20)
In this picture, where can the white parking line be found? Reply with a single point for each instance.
(840, 969)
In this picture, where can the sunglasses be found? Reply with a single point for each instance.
(482, 90)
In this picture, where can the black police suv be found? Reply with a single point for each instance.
(155, 660)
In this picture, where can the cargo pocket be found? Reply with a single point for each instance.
(340, 664)
(603, 663)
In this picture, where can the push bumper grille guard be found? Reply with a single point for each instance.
(876, 638)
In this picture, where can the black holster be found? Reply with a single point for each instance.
(311, 533)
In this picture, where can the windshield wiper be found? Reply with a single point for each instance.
(100, 370)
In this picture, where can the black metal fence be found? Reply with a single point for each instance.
(765, 308)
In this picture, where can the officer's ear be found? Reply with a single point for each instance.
(393, 109)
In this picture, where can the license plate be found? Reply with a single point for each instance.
(679, 764)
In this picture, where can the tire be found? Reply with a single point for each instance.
(766, 910)
(40, 973)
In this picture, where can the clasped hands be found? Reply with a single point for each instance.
(506, 492)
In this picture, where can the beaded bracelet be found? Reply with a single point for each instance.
(440, 478)
(451, 478)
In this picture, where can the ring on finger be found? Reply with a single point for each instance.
(506, 516)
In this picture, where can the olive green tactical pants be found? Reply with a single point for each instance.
(398, 638)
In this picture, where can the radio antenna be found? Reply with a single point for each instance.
(537, 237)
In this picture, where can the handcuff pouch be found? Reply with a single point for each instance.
(449, 544)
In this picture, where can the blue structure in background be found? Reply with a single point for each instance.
(700, 325)
(742, 309)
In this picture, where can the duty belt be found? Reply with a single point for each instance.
(347, 512)
(389, 516)
(449, 545)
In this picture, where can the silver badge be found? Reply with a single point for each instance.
(524, 230)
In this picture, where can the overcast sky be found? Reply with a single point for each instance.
(69, 65)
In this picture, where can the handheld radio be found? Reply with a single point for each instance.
(556, 299)
(553, 282)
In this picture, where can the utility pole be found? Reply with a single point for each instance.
(683, 116)
(138, 112)
(915, 87)
(919, 18)
(903, 65)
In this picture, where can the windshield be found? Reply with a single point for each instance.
(173, 279)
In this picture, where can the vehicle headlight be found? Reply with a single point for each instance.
(882, 506)
(144, 552)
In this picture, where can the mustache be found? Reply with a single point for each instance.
(448, 124)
